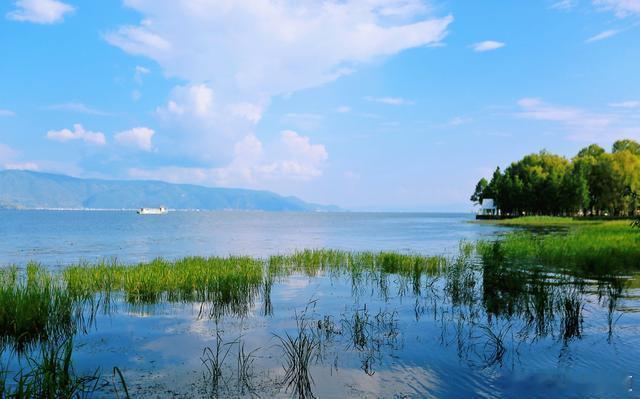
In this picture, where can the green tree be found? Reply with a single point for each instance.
(594, 182)
(478, 194)
(590, 161)
(493, 189)
(626, 145)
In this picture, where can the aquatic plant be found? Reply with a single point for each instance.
(244, 368)
(368, 334)
(495, 347)
(213, 360)
(226, 284)
(35, 307)
(299, 349)
(122, 382)
(50, 375)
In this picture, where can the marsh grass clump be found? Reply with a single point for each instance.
(227, 284)
(314, 262)
(35, 307)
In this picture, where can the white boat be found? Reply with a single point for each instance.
(152, 211)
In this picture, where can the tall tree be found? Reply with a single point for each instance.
(626, 145)
(593, 182)
(478, 194)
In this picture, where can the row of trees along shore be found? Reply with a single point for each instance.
(593, 183)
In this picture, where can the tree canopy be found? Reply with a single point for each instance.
(594, 182)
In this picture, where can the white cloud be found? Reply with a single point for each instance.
(533, 108)
(138, 137)
(602, 35)
(579, 124)
(564, 4)
(78, 133)
(40, 11)
(9, 159)
(192, 101)
(246, 110)
(626, 104)
(487, 45)
(292, 157)
(22, 166)
(6, 112)
(621, 8)
(343, 109)
(529, 102)
(389, 100)
(459, 120)
(7, 153)
(138, 40)
(141, 70)
(198, 125)
(273, 47)
(302, 160)
(235, 55)
(79, 107)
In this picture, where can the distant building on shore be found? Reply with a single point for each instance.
(488, 209)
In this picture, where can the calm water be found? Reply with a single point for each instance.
(63, 237)
(483, 330)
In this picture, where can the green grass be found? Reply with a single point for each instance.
(226, 283)
(35, 307)
(601, 247)
(43, 307)
(553, 221)
(314, 262)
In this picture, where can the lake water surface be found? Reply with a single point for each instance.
(63, 237)
(475, 330)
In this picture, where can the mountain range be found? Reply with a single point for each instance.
(34, 190)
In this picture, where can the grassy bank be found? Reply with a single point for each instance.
(550, 221)
(589, 245)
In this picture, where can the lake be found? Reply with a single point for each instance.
(63, 237)
(477, 328)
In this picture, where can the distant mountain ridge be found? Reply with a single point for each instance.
(34, 190)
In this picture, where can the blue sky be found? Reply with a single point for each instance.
(369, 104)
